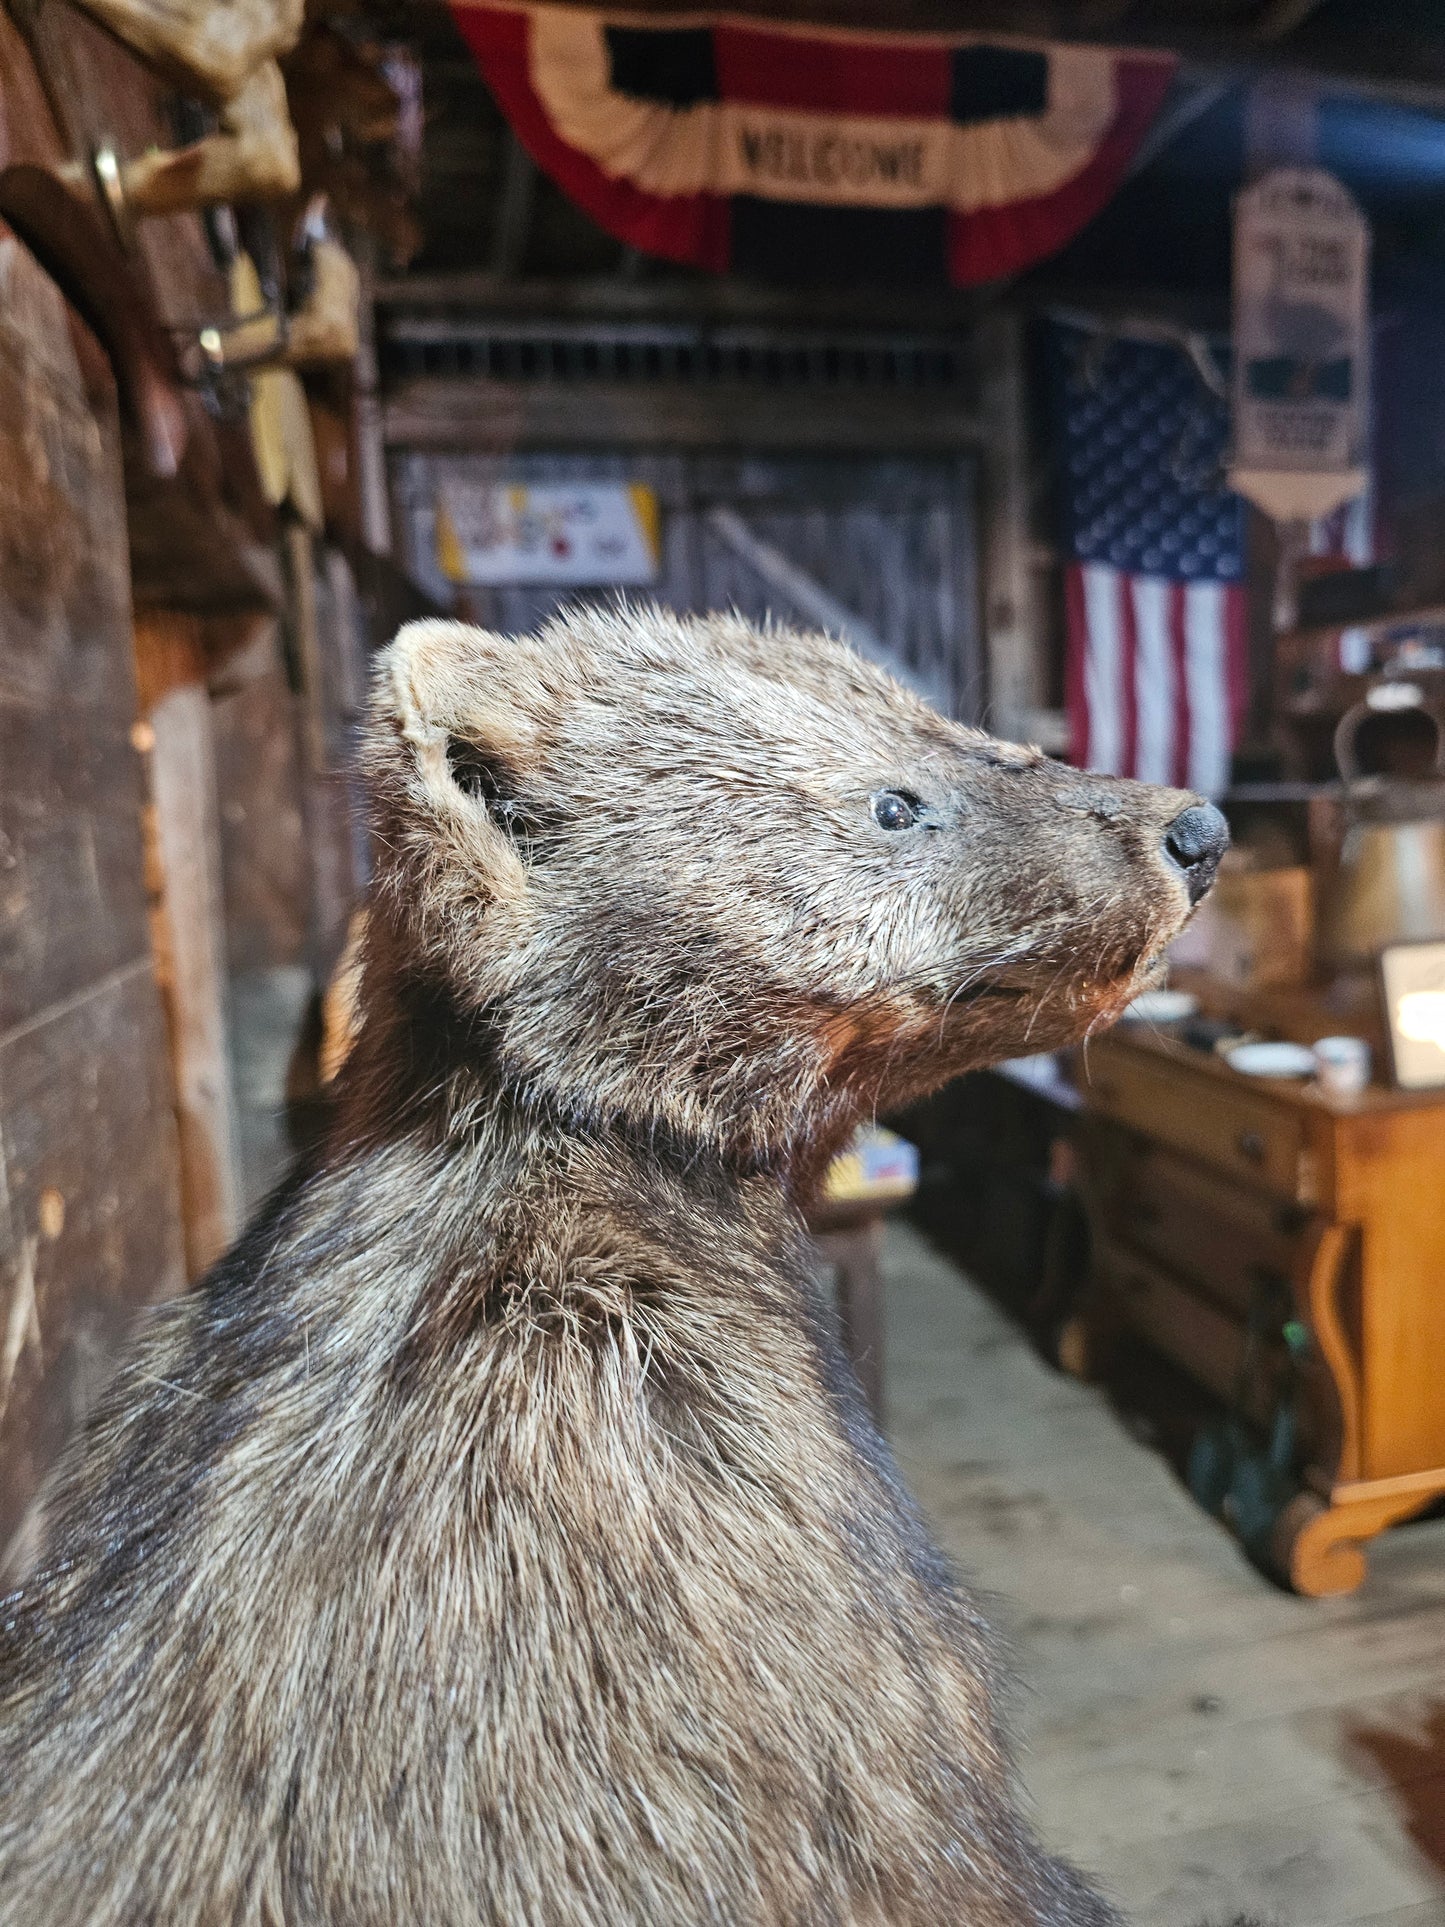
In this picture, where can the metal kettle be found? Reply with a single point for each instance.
(1389, 885)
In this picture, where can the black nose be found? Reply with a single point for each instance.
(1196, 840)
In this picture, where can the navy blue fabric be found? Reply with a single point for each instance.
(838, 246)
(1143, 444)
(997, 83)
(673, 66)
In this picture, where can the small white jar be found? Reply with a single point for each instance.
(1342, 1065)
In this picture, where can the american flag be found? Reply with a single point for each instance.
(1156, 663)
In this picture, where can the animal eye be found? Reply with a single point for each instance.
(895, 809)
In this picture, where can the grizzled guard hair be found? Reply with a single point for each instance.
(497, 1533)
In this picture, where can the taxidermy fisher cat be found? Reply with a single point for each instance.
(498, 1534)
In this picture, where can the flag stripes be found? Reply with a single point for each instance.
(1159, 680)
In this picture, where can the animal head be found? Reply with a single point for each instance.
(739, 885)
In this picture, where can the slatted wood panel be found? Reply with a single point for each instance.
(891, 539)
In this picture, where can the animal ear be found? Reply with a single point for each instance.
(474, 710)
(445, 679)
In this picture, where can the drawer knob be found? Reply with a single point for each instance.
(1250, 1145)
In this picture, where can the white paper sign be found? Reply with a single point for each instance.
(1301, 344)
(580, 533)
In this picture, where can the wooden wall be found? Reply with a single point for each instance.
(89, 1202)
(173, 807)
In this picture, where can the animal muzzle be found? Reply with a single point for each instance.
(1194, 842)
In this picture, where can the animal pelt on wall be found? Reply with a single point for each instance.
(497, 1533)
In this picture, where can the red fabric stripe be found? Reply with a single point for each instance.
(1179, 654)
(681, 227)
(1003, 240)
(1128, 678)
(1076, 645)
(775, 69)
(1236, 657)
(831, 76)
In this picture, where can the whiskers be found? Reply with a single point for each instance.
(1094, 979)
(1030, 944)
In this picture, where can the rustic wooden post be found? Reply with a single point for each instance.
(184, 861)
(1010, 630)
(373, 495)
(306, 643)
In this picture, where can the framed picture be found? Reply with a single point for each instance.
(1412, 978)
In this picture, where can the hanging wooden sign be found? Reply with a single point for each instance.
(1301, 344)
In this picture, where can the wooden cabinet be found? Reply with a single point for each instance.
(1228, 1216)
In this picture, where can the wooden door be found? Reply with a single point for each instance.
(879, 549)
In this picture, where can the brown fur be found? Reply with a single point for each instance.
(497, 1534)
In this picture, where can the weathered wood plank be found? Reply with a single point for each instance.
(1322, 1867)
(70, 906)
(188, 927)
(493, 416)
(1154, 1785)
(87, 1146)
(183, 783)
(264, 861)
(89, 1189)
(1015, 659)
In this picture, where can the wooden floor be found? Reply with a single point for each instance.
(1202, 1743)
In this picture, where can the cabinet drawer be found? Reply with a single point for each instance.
(1186, 1327)
(1211, 1344)
(1196, 1220)
(1238, 1131)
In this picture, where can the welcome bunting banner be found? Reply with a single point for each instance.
(803, 156)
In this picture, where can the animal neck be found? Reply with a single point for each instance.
(529, 1217)
(425, 1069)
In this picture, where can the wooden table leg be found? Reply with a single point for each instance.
(856, 1255)
(1319, 1545)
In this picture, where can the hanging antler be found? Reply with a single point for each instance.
(252, 156)
(209, 47)
(226, 53)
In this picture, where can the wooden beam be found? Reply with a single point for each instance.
(90, 1213)
(1011, 629)
(305, 640)
(514, 209)
(373, 504)
(716, 299)
(468, 414)
(184, 860)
